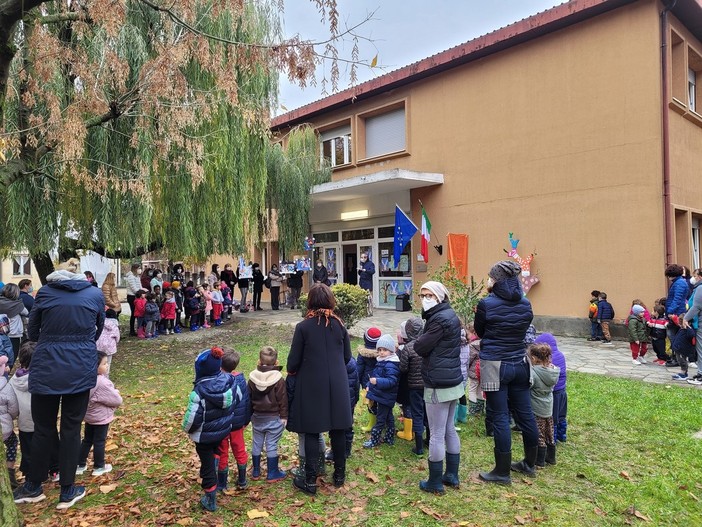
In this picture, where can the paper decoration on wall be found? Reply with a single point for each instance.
(287, 267)
(245, 271)
(303, 264)
(526, 278)
(309, 242)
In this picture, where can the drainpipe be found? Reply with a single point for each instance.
(667, 206)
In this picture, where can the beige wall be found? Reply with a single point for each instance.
(7, 277)
(557, 140)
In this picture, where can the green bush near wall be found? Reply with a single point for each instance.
(351, 303)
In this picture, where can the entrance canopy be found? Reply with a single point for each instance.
(386, 182)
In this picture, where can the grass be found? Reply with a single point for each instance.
(630, 458)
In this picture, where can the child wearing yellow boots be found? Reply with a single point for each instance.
(411, 365)
(365, 362)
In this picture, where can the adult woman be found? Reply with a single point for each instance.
(213, 276)
(276, 282)
(320, 275)
(257, 280)
(157, 280)
(178, 273)
(133, 285)
(675, 307)
(320, 401)
(695, 313)
(66, 320)
(440, 349)
(109, 291)
(91, 278)
(13, 307)
(501, 320)
(227, 276)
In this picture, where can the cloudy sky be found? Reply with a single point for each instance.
(401, 32)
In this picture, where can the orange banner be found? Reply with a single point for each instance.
(458, 254)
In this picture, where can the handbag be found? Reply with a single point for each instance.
(267, 282)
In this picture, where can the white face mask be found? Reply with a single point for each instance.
(428, 303)
(490, 282)
(693, 280)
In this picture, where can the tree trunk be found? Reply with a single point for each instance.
(9, 515)
(44, 265)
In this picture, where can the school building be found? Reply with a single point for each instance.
(576, 129)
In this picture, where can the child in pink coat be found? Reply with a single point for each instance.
(109, 338)
(104, 399)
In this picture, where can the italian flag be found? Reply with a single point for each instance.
(426, 230)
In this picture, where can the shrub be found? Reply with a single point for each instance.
(351, 303)
(464, 297)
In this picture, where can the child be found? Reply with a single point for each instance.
(646, 313)
(638, 335)
(205, 305)
(382, 389)
(140, 312)
(208, 417)
(109, 338)
(605, 315)
(269, 400)
(411, 363)
(151, 316)
(476, 402)
(545, 376)
(241, 418)
(560, 396)
(192, 307)
(9, 410)
(226, 301)
(657, 329)
(217, 301)
(178, 295)
(5, 342)
(25, 424)
(366, 360)
(104, 399)
(595, 328)
(168, 312)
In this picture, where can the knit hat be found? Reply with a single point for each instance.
(175, 284)
(208, 363)
(370, 337)
(437, 288)
(637, 309)
(166, 285)
(403, 329)
(504, 270)
(387, 342)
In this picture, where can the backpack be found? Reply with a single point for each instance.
(4, 325)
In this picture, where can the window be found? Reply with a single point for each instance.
(385, 133)
(336, 146)
(691, 89)
(695, 241)
(326, 237)
(21, 265)
(677, 47)
(357, 234)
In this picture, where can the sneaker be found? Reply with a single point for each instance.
(55, 477)
(71, 496)
(696, 380)
(693, 365)
(642, 360)
(23, 494)
(102, 470)
(672, 364)
(636, 362)
(660, 362)
(680, 377)
(79, 470)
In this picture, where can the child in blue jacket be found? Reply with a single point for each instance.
(382, 389)
(208, 417)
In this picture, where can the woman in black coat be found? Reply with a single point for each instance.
(318, 356)
(320, 275)
(258, 280)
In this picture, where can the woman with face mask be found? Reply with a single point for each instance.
(440, 349)
(276, 282)
(502, 319)
(320, 275)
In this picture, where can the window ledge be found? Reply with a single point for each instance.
(342, 167)
(693, 117)
(392, 155)
(677, 106)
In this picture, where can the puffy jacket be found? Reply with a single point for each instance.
(168, 310)
(542, 390)
(20, 383)
(139, 307)
(66, 320)
(605, 311)
(557, 358)
(104, 398)
(365, 275)
(365, 362)
(107, 343)
(192, 302)
(410, 362)
(387, 374)
(440, 347)
(294, 280)
(242, 404)
(474, 359)
(677, 296)
(133, 283)
(637, 329)
(501, 321)
(210, 412)
(111, 297)
(9, 407)
(267, 391)
(152, 312)
(352, 373)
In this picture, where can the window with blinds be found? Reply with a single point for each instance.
(385, 133)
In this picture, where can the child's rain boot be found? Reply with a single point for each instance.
(222, 479)
(551, 454)
(241, 482)
(406, 432)
(274, 473)
(434, 484)
(255, 467)
(209, 500)
(370, 424)
(461, 413)
(389, 435)
(176, 329)
(141, 333)
(450, 477)
(374, 440)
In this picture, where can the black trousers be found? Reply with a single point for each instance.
(338, 446)
(275, 298)
(257, 299)
(132, 318)
(95, 437)
(45, 410)
(206, 453)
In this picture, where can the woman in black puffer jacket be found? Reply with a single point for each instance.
(440, 348)
(501, 320)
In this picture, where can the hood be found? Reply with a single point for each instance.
(68, 284)
(3, 381)
(508, 289)
(548, 376)
(389, 358)
(547, 338)
(213, 388)
(368, 353)
(170, 301)
(11, 308)
(62, 274)
(265, 377)
(414, 328)
(20, 381)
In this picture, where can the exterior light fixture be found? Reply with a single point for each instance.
(354, 215)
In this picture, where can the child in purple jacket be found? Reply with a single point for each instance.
(104, 399)
(560, 396)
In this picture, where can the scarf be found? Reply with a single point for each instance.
(11, 308)
(326, 313)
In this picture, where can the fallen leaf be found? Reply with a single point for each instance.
(693, 496)
(403, 514)
(632, 510)
(185, 521)
(372, 477)
(430, 512)
(108, 488)
(600, 512)
(255, 513)
(520, 520)
(625, 475)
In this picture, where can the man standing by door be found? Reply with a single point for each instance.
(366, 270)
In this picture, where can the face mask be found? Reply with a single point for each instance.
(693, 281)
(428, 303)
(319, 265)
(139, 272)
(30, 290)
(490, 282)
(158, 276)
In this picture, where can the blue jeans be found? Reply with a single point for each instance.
(416, 399)
(595, 330)
(514, 388)
(6, 349)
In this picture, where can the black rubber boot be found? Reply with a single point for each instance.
(450, 477)
(241, 482)
(500, 474)
(528, 464)
(434, 484)
(321, 465)
(349, 444)
(340, 470)
(418, 444)
(551, 454)
(541, 457)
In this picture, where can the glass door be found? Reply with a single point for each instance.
(329, 254)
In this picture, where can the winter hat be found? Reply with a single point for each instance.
(504, 270)
(175, 284)
(166, 285)
(387, 342)
(370, 338)
(637, 309)
(403, 329)
(437, 288)
(208, 363)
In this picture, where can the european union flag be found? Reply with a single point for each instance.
(404, 230)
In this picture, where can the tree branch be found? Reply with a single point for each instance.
(69, 249)
(63, 17)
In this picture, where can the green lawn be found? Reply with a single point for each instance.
(630, 458)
